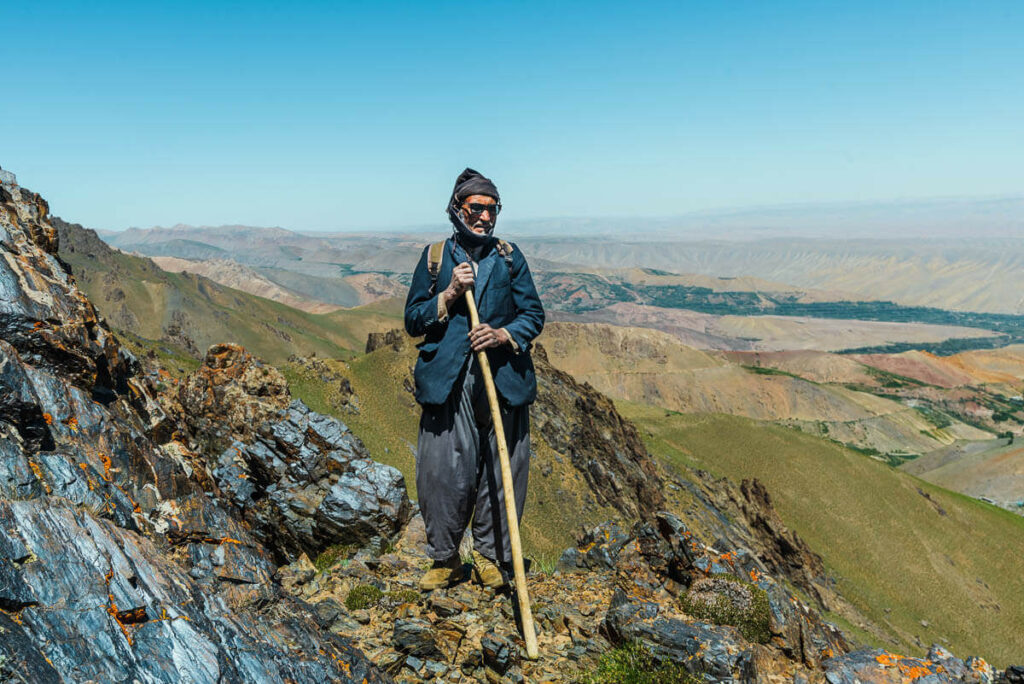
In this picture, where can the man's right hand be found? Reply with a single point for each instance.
(462, 280)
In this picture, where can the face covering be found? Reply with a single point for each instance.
(468, 183)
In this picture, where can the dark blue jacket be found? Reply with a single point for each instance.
(505, 298)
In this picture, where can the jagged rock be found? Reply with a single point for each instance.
(116, 564)
(1012, 675)
(229, 395)
(577, 420)
(112, 608)
(415, 636)
(499, 653)
(306, 482)
(396, 339)
(717, 653)
(599, 549)
(880, 666)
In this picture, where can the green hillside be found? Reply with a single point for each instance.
(137, 296)
(921, 561)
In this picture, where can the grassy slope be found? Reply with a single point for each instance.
(886, 544)
(215, 313)
(558, 503)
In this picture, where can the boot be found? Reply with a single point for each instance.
(486, 571)
(442, 574)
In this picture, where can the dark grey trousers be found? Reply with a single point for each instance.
(458, 474)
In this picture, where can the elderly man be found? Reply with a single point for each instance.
(457, 471)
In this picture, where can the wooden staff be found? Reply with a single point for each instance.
(529, 633)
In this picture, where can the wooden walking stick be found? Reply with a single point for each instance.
(529, 633)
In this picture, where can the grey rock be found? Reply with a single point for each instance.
(415, 636)
(499, 653)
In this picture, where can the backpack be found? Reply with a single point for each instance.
(436, 253)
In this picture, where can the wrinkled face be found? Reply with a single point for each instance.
(478, 211)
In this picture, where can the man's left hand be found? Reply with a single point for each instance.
(484, 336)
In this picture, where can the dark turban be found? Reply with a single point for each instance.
(472, 182)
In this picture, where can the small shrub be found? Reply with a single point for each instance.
(725, 600)
(633, 663)
(363, 596)
(403, 596)
(331, 555)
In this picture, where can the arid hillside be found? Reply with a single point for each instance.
(650, 367)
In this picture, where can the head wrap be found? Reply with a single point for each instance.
(471, 182)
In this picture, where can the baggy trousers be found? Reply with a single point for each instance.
(458, 473)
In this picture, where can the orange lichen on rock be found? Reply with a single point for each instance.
(39, 474)
(114, 612)
(48, 418)
(106, 465)
(85, 469)
(910, 668)
(888, 659)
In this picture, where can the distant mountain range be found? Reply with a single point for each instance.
(911, 263)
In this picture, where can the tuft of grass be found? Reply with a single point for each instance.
(332, 555)
(633, 663)
(753, 620)
(363, 596)
(403, 596)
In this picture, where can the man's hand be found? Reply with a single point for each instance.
(462, 280)
(484, 336)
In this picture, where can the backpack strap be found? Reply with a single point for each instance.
(434, 256)
(505, 250)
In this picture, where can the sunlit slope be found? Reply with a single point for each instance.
(901, 550)
(651, 367)
(137, 296)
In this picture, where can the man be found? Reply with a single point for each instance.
(458, 475)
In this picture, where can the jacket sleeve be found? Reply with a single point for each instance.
(420, 306)
(529, 320)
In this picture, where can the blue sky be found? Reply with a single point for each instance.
(341, 115)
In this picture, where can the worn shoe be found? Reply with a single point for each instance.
(486, 571)
(442, 574)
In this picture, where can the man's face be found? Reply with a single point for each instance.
(478, 211)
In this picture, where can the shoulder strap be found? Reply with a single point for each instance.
(434, 259)
(505, 250)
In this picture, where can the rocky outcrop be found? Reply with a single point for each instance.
(117, 560)
(306, 482)
(229, 395)
(576, 420)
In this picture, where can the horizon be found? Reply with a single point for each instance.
(1012, 227)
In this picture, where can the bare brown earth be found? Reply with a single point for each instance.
(652, 367)
(769, 333)
(232, 274)
(369, 287)
(993, 470)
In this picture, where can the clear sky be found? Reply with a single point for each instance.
(336, 115)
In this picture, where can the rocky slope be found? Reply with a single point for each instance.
(160, 530)
(118, 561)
